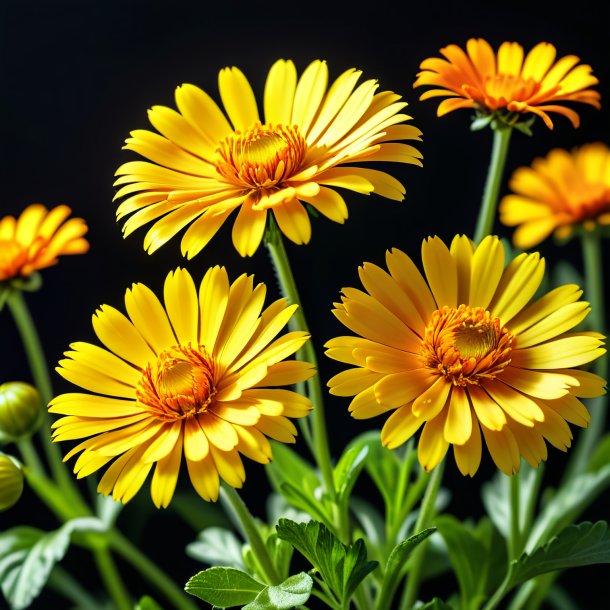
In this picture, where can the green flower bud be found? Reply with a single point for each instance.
(11, 482)
(20, 410)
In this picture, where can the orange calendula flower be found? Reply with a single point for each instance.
(467, 354)
(558, 192)
(205, 164)
(35, 239)
(509, 82)
(197, 376)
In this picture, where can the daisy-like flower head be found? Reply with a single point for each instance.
(557, 193)
(466, 354)
(197, 376)
(37, 238)
(203, 164)
(508, 85)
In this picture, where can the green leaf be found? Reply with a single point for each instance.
(224, 587)
(348, 468)
(496, 497)
(469, 558)
(27, 556)
(396, 564)
(281, 553)
(147, 603)
(601, 455)
(381, 463)
(567, 505)
(436, 604)
(287, 466)
(577, 545)
(342, 567)
(217, 546)
(370, 520)
(294, 591)
(481, 122)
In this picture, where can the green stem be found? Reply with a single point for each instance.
(150, 571)
(514, 536)
(251, 533)
(424, 520)
(29, 455)
(52, 496)
(487, 212)
(321, 449)
(501, 591)
(594, 293)
(111, 578)
(42, 380)
(63, 582)
(531, 501)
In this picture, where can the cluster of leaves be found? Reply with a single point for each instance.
(370, 566)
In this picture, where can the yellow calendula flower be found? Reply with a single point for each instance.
(197, 376)
(35, 239)
(558, 192)
(509, 81)
(466, 354)
(205, 164)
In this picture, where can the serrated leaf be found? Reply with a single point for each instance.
(217, 546)
(224, 587)
(27, 556)
(341, 567)
(577, 545)
(348, 468)
(147, 603)
(567, 505)
(294, 591)
(396, 564)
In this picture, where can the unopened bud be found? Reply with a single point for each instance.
(11, 482)
(20, 410)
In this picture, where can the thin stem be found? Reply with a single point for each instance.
(29, 455)
(594, 293)
(424, 520)
(530, 506)
(514, 536)
(63, 582)
(42, 380)
(150, 571)
(111, 578)
(251, 533)
(321, 449)
(501, 591)
(487, 212)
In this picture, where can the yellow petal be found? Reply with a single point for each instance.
(400, 427)
(238, 98)
(432, 446)
(440, 271)
(279, 92)
(165, 477)
(458, 425)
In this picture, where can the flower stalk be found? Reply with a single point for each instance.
(318, 438)
(426, 515)
(487, 211)
(40, 374)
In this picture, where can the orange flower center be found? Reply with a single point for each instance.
(179, 384)
(466, 344)
(505, 88)
(262, 157)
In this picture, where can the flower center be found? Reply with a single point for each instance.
(466, 344)
(179, 384)
(501, 89)
(262, 157)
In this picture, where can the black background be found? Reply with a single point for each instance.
(77, 77)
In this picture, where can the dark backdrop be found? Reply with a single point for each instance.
(76, 77)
